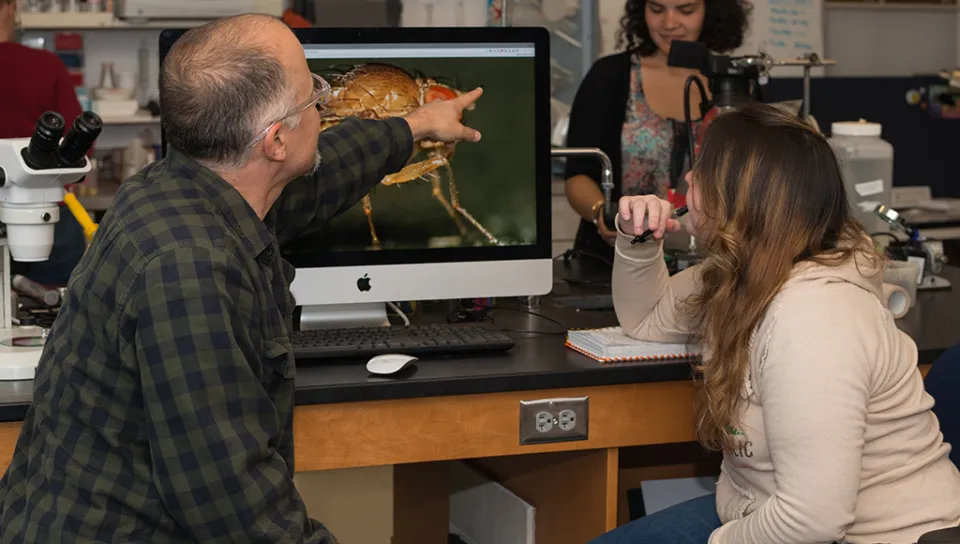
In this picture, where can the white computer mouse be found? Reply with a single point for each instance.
(389, 363)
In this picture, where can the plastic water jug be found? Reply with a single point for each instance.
(866, 161)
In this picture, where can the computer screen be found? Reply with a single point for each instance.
(463, 195)
(458, 221)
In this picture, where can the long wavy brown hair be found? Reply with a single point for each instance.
(772, 196)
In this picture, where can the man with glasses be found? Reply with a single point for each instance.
(163, 402)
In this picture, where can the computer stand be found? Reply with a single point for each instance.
(338, 316)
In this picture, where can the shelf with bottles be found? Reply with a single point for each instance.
(112, 165)
(99, 15)
(93, 21)
(142, 117)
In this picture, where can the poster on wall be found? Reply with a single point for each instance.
(785, 30)
(494, 12)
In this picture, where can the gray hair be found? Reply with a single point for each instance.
(219, 89)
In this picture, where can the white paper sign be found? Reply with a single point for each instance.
(869, 188)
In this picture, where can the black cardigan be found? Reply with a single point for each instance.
(596, 120)
(597, 116)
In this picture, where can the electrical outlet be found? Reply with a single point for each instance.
(567, 420)
(553, 420)
(544, 422)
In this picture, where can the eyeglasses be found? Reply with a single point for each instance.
(321, 90)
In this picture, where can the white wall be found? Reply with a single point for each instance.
(891, 41)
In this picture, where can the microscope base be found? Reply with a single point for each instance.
(933, 283)
(20, 349)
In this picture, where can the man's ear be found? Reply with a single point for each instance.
(275, 143)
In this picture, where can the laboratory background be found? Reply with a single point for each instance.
(531, 433)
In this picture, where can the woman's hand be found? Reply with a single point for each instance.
(610, 236)
(596, 214)
(642, 212)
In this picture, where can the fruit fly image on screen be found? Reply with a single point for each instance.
(379, 90)
(402, 211)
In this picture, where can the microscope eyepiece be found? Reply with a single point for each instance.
(80, 139)
(52, 120)
(41, 152)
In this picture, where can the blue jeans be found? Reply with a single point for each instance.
(689, 522)
(942, 382)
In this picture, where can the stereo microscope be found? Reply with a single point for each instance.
(33, 173)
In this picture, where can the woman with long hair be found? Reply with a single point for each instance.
(806, 385)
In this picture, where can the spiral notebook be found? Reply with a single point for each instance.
(610, 345)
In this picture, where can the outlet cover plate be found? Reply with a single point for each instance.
(544, 421)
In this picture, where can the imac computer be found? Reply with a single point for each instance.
(464, 221)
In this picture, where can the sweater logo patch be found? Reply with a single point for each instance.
(744, 448)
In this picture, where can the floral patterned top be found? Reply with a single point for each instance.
(647, 143)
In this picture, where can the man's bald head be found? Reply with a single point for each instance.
(221, 83)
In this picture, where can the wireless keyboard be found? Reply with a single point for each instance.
(410, 340)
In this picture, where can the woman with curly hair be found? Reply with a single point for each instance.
(630, 105)
(808, 387)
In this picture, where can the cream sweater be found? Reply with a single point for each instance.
(838, 440)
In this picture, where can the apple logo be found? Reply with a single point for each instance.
(363, 283)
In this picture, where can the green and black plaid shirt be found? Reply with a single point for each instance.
(163, 403)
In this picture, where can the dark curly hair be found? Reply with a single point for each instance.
(724, 25)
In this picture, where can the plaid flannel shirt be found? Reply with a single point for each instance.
(163, 402)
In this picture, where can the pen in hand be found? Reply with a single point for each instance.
(647, 233)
